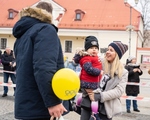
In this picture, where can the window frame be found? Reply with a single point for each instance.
(3, 43)
(11, 15)
(68, 46)
(78, 16)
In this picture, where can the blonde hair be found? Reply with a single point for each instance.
(114, 68)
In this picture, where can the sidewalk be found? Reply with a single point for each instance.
(125, 116)
(7, 106)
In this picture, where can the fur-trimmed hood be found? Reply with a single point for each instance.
(30, 17)
(37, 13)
(134, 65)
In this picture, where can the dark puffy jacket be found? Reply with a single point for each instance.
(38, 55)
(133, 77)
(6, 59)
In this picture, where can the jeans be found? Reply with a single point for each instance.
(128, 102)
(6, 77)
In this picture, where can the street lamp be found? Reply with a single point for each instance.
(130, 28)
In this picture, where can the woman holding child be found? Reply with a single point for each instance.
(108, 95)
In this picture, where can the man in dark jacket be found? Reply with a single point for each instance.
(38, 56)
(8, 62)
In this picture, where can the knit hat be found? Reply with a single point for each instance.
(90, 41)
(131, 58)
(119, 47)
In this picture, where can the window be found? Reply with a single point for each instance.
(78, 16)
(10, 15)
(3, 43)
(68, 46)
(145, 59)
(103, 50)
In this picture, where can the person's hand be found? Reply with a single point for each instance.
(139, 70)
(57, 111)
(81, 52)
(10, 63)
(135, 70)
(14, 64)
(91, 96)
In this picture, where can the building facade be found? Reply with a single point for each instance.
(78, 19)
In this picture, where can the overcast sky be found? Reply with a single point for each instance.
(132, 2)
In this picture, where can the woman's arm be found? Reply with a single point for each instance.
(117, 91)
(112, 93)
(90, 69)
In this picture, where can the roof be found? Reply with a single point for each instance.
(99, 14)
(16, 5)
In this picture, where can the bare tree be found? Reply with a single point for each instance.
(145, 11)
(146, 37)
(144, 8)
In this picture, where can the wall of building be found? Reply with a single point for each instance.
(104, 37)
(143, 54)
(10, 40)
(77, 42)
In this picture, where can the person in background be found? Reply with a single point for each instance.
(109, 103)
(39, 56)
(9, 66)
(133, 90)
(71, 64)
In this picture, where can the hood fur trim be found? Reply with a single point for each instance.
(135, 65)
(37, 13)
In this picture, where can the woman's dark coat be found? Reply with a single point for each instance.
(133, 77)
(38, 55)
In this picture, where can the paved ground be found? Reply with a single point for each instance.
(7, 105)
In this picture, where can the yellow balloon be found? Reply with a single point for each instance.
(65, 83)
